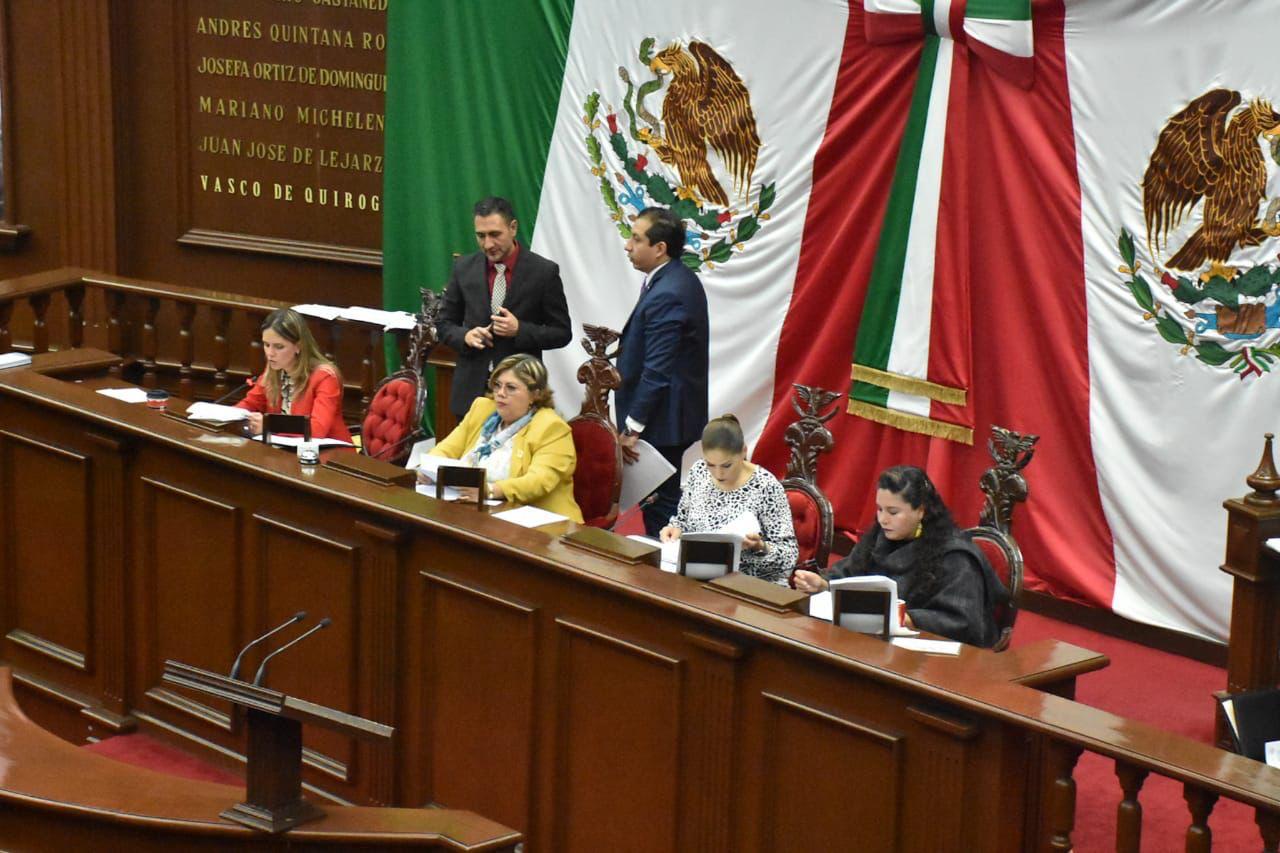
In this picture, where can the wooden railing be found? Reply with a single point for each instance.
(216, 341)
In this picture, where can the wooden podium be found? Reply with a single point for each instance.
(273, 781)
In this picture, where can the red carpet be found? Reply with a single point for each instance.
(145, 751)
(1164, 690)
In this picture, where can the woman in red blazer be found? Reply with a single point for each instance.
(298, 379)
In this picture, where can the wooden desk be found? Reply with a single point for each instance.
(589, 704)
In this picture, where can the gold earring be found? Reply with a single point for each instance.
(919, 529)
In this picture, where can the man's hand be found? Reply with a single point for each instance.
(479, 338)
(505, 324)
(629, 453)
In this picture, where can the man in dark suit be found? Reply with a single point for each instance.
(663, 355)
(500, 301)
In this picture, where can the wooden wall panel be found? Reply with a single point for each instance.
(478, 690)
(192, 597)
(827, 782)
(618, 716)
(48, 580)
(299, 569)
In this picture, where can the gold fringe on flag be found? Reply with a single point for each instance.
(911, 423)
(910, 385)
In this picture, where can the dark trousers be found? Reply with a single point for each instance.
(662, 504)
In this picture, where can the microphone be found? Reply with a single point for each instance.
(248, 383)
(297, 617)
(262, 670)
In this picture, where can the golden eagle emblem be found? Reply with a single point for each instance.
(706, 106)
(1207, 151)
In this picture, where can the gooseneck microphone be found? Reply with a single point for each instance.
(248, 383)
(297, 617)
(262, 670)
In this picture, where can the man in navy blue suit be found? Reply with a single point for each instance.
(663, 356)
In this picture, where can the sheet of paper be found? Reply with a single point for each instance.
(215, 412)
(530, 516)
(643, 476)
(1271, 752)
(429, 464)
(14, 359)
(933, 647)
(377, 317)
(669, 551)
(128, 395)
(1229, 709)
(743, 525)
(418, 452)
(449, 493)
(324, 312)
(820, 608)
(1273, 544)
(295, 440)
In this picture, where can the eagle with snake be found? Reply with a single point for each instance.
(1207, 151)
(706, 105)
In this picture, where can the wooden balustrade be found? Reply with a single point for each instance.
(135, 313)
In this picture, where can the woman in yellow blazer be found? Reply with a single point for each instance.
(515, 434)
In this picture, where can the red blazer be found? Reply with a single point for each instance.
(321, 399)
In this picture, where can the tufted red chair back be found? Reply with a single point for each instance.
(807, 518)
(1005, 557)
(598, 476)
(393, 417)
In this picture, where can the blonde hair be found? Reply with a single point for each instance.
(289, 325)
(531, 372)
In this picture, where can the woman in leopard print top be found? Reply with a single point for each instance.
(722, 486)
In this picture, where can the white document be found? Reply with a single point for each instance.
(216, 412)
(449, 494)
(324, 312)
(1271, 752)
(640, 478)
(933, 647)
(295, 440)
(419, 452)
(530, 516)
(429, 464)
(14, 359)
(375, 316)
(128, 395)
(820, 604)
(1273, 544)
(742, 526)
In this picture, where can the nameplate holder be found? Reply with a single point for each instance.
(604, 543)
(770, 596)
(370, 469)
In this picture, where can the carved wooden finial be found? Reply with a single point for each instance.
(1265, 480)
(597, 373)
(808, 437)
(423, 339)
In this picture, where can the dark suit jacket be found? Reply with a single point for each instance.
(535, 295)
(663, 359)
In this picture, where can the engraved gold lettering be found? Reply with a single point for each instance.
(235, 28)
(221, 66)
(346, 119)
(219, 145)
(237, 108)
(317, 36)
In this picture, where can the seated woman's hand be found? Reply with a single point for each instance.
(809, 582)
(670, 533)
(754, 542)
(424, 478)
(255, 423)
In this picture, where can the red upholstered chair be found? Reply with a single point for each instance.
(597, 480)
(810, 509)
(393, 421)
(1004, 488)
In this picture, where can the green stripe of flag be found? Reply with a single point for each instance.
(1000, 10)
(880, 312)
(472, 91)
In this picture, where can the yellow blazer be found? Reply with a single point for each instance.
(542, 458)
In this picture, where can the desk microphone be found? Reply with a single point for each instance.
(262, 670)
(297, 617)
(249, 382)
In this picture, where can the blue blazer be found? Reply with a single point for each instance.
(663, 359)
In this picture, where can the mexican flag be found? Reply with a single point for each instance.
(925, 206)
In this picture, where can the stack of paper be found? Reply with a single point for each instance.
(530, 516)
(14, 359)
(324, 312)
(386, 319)
(215, 412)
(128, 395)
